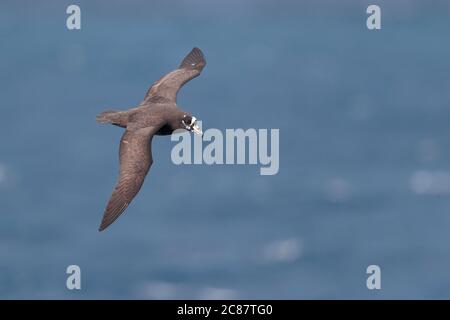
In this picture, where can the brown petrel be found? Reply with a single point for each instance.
(158, 114)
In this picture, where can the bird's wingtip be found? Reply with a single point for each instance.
(194, 60)
(103, 226)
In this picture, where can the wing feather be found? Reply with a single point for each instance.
(168, 86)
(135, 160)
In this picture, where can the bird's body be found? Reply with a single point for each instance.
(158, 114)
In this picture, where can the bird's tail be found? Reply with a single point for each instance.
(118, 118)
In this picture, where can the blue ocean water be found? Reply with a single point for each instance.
(364, 151)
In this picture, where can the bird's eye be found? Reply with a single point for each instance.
(187, 120)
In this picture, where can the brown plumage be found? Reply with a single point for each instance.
(158, 114)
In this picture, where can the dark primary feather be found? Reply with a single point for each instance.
(194, 60)
(168, 86)
(135, 161)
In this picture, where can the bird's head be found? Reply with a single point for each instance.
(190, 123)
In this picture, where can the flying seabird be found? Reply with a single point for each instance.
(157, 114)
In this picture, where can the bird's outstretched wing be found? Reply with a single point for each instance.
(135, 158)
(167, 87)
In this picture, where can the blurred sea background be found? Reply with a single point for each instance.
(364, 151)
